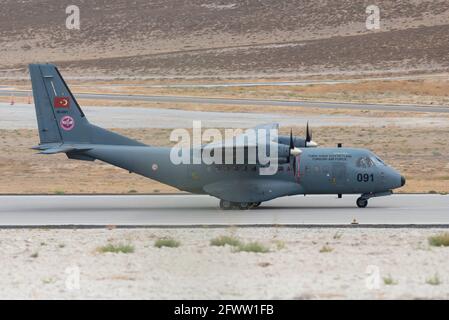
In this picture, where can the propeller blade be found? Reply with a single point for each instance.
(292, 145)
(308, 133)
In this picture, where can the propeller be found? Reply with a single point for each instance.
(293, 152)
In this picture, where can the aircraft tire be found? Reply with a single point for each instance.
(225, 205)
(255, 205)
(362, 202)
(244, 205)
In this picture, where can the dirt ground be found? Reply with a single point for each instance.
(211, 38)
(421, 154)
(300, 264)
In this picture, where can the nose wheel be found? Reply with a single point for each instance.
(362, 202)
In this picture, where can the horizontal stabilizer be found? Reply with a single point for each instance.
(52, 149)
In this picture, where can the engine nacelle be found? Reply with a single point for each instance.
(298, 142)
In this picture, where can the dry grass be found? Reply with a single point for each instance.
(116, 248)
(389, 281)
(434, 280)
(254, 247)
(167, 242)
(225, 240)
(418, 91)
(440, 240)
(326, 249)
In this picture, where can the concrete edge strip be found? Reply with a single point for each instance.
(224, 226)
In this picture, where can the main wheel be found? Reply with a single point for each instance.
(255, 204)
(244, 205)
(362, 202)
(225, 205)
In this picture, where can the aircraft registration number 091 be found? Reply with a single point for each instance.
(365, 177)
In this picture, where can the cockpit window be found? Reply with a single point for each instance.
(378, 161)
(365, 162)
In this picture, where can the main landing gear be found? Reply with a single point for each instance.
(228, 205)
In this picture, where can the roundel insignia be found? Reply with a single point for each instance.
(67, 123)
(154, 167)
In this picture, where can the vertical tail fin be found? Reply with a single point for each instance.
(59, 116)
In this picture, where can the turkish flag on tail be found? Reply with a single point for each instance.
(61, 102)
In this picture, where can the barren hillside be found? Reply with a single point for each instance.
(259, 38)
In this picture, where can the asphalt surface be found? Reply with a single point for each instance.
(22, 116)
(246, 102)
(195, 210)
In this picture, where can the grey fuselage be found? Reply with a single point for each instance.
(319, 171)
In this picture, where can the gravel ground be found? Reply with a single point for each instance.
(66, 264)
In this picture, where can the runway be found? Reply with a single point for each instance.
(23, 116)
(201, 211)
(246, 102)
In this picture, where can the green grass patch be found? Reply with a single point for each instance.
(280, 244)
(225, 240)
(117, 248)
(440, 240)
(326, 249)
(389, 281)
(255, 247)
(59, 192)
(167, 242)
(434, 280)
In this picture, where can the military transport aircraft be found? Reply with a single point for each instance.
(303, 168)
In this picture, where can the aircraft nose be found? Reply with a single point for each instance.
(402, 181)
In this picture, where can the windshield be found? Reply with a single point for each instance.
(377, 160)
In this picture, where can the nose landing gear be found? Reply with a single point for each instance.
(362, 202)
